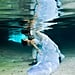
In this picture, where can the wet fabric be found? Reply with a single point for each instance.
(17, 37)
(48, 61)
(46, 10)
(40, 69)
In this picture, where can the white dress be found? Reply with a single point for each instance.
(46, 10)
(48, 61)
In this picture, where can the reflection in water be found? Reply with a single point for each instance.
(64, 30)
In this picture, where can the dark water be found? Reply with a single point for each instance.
(62, 33)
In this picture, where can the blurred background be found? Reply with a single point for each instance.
(14, 57)
(12, 14)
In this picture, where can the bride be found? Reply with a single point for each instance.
(48, 55)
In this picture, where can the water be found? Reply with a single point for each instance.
(15, 57)
(62, 33)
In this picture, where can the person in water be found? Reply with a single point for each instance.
(45, 10)
(48, 55)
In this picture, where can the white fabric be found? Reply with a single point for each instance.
(46, 10)
(17, 37)
(48, 61)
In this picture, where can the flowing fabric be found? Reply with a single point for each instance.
(48, 61)
(16, 36)
(46, 10)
